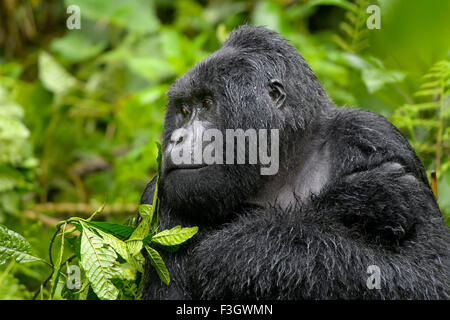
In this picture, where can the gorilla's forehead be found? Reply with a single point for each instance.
(212, 74)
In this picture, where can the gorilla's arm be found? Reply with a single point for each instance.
(382, 204)
(319, 249)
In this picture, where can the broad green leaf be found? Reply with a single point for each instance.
(120, 231)
(151, 68)
(118, 245)
(98, 260)
(14, 246)
(137, 262)
(268, 13)
(13, 140)
(165, 248)
(135, 242)
(11, 109)
(134, 15)
(85, 47)
(57, 266)
(376, 79)
(11, 128)
(150, 219)
(157, 262)
(134, 246)
(53, 76)
(174, 236)
(145, 211)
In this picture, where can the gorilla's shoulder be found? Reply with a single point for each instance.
(365, 129)
(371, 139)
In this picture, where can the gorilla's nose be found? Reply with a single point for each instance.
(185, 148)
(179, 136)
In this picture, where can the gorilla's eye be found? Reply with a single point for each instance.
(184, 111)
(207, 103)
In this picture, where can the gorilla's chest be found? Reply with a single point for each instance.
(312, 172)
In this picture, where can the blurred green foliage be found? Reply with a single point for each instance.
(80, 109)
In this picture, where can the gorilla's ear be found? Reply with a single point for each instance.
(276, 92)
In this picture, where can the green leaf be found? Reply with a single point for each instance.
(85, 48)
(174, 236)
(151, 68)
(53, 76)
(137, 262)
(98, 260)
(57, 266)
(427, 92)
(10, 287)
(376, 79)
(131, 222)
(12, 128)
(118, 230)
(11, 109)
(268, 13)
(149, 214)
(157, 262)
(13, 140)
(135, 242)
(118, 245)
(166, 248)
(134, 15)
(419, 106)
(14, 246)
(155, 219)
(145, 211)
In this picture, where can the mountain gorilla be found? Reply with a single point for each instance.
(350, 203)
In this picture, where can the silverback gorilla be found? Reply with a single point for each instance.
(349, 196)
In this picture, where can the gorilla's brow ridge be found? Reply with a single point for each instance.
(178, 95)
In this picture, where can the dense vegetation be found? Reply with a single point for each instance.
(80, 110)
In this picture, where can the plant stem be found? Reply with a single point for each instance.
(440, 128)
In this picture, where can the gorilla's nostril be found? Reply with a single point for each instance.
(178, 136)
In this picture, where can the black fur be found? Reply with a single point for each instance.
(366, 198)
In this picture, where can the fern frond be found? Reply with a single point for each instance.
(354, 29)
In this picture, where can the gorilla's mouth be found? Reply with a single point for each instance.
(186, 167)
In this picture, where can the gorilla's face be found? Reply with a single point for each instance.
(225, 91)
